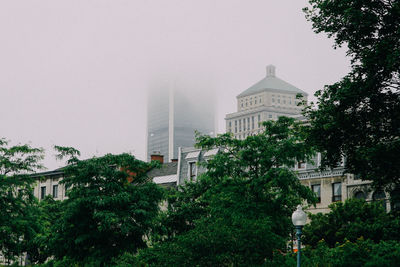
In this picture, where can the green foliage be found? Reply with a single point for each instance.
(282, 260)
(15, 160)
(127, 260)
(18, 220)
(60, 263)
(236, 230)
(104, 215)
(349, 254)
(48, 212)
(359, 115)
(351, 220)
(239, 211)
(69, 152)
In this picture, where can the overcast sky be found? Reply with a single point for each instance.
(75, 72)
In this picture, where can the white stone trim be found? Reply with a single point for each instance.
(193, 155)
(165, 179)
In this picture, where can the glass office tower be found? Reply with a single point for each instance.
(175, 111)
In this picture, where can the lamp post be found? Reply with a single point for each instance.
(299, 218)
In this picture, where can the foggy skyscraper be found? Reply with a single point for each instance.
(177, 108)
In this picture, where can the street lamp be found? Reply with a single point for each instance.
(299, 218)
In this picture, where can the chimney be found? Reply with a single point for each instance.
(158, 157)
(270, 71)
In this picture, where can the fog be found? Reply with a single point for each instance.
(76, 72)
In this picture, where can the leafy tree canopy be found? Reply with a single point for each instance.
(239, 211)
(18, 220)
(48, 212)
(110, 208)
(351, 220)
(359, 116)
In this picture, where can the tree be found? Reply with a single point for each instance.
(351, 220)
(239, 211)
(105, 214)
(359, 116)
(353, 254)
(348, 254)
(48, 212)
(18, 222)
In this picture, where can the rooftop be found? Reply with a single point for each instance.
(166, 169)
(271, 83)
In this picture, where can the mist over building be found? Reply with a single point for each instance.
(267, 99)
(177, 107)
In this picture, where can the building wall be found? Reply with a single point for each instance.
(268, 104)
(308, 173)
(326, 195)
(241, 123)
(280, 100)
(50, 181)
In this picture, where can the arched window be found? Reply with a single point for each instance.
(359, 195)
(395, 199)
(379, 195)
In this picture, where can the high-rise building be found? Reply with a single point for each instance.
(268, 99)
(176, 109)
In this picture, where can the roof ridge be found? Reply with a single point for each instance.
(271, 83)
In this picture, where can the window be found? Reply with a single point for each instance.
(55, 191)
(66, 189)
(259, 118)
(301, 165)
(244, 124)
(279, 101)
(255, 101)
(380, 196)
(395, 199)
(248, 123)
(192, 170)
(359, 195)
(240, 125)
(316, 188)
(270, 116)
(252, 122)
(42, 192)
(336, 192)
(273, 100)
(341, 163)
